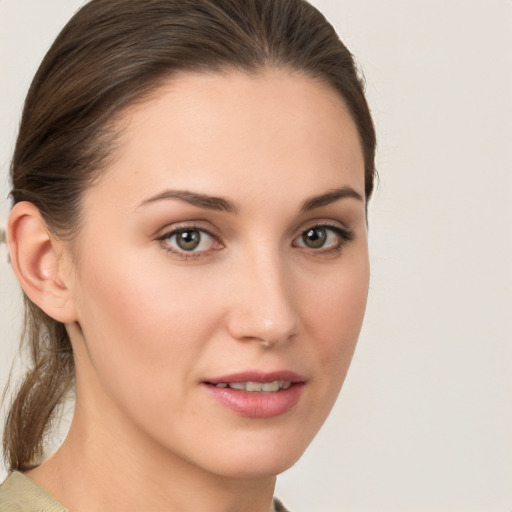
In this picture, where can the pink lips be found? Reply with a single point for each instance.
(257, 404)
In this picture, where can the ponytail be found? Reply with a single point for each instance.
(43, 389)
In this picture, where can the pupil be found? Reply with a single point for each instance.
(314, 237)
(188, 240)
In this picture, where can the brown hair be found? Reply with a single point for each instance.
(109, 55)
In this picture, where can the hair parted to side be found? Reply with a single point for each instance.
(111, 54)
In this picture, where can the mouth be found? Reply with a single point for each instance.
(256, 394)
(255, 387)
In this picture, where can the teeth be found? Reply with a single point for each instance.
(256, 387)
(270, 386)
(253, 386)
(237, 385)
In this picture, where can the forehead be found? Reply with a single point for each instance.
(235, 133)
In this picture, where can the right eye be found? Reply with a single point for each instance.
(324, 238)
(189, 241)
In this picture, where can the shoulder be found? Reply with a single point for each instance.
(19, 493)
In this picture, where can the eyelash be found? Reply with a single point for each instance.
(186, 255)
(345, 236)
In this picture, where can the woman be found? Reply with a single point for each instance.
(190, 185)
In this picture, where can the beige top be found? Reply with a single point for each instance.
(21, 494)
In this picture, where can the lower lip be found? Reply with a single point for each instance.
(257, 404)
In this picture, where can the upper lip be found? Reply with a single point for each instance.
(258, 376)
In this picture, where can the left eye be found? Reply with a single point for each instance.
(323, 237)
(189, 240)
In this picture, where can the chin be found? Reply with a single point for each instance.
(257, 466)
(258, 456)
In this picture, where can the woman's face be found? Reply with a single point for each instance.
(223, 272)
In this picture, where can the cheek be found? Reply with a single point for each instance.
(335, 312)
(145, 328)
(142, 319)
(141, 297)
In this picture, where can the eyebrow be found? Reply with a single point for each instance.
(221, 204)
(195, 199)
(330, 197)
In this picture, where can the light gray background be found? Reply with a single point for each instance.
(424, 422)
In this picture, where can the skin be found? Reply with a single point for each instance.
(148, 325)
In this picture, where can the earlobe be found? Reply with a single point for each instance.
(36, 258)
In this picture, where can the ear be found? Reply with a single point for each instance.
(38, 261)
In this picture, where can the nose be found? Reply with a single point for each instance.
(262, 302)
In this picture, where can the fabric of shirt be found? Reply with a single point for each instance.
(19, 493)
